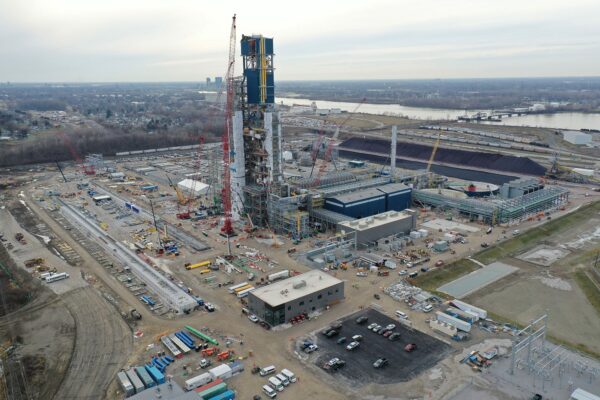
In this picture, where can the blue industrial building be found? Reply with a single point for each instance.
(397, 196)
(363, 203)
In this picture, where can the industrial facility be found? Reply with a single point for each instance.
(279, 302)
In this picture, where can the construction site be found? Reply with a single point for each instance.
(361, 265)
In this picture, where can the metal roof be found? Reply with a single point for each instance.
(374, 221)
(166, 391)
(358, 196)
(293, 288)
(393, 188)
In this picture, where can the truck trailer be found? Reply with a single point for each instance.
(197, 381)
(138, 386)
(458, 323)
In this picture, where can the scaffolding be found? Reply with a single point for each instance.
(494, 210)
(285, 216)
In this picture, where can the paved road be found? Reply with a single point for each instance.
(101, 349)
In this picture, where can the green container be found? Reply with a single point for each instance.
(213, 391)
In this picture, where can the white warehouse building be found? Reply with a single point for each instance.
(193, 188)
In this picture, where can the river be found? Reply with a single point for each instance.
(571, 120)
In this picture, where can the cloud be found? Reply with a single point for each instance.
(187, 40)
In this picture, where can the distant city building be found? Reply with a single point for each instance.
(218, 81)
(208, 82)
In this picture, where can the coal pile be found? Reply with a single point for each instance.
(491, 161)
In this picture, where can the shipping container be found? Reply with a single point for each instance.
(155, 374)
(125, 384)
(182, 346)
(279, 275)
(242, 288)
(245, 293)
(232, 289)
(213, 391)
(228, 395)
(56, 277)
(138, 386)
(145, 377)
(171, 346)
(208, 385)
(198, 381)
(468, 307)
(458, 323)
(222, 371)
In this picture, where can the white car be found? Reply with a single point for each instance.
(362, 274)
(253, 318)
(390, 327)
(352, 346)
(402, 272)
(371, 326)
(376, 328)
(311, 348)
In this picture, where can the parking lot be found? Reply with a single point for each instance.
(402, 365)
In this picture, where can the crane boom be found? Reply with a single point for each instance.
(227, 228)
(433, 151)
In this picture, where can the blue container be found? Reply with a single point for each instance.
(145, 377)
(156, 375)
(171, 359)
(184, 339)
(188, 337)
(228, 395)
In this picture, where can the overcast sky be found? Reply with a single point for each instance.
(187, 40)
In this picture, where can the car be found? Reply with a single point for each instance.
(256, 397)
(394, 336)
(341, 340)
(536, 396)
(484, 245)
(336, 325)
(382, 331)
(352, 345)
(391, 326)
(362, 320)
(339, 364)
(380, 363)
(424, 269)
(209, 307)
(410, 347)
(332, 333)
(388, 333)
(333, 361)
(377, 296)
(371, 326)
(253, 318)
(305, 344)
(204, 363)
(311, 348)
(362, 274)
(376, 328)
(334, 364)
(357, 338)
(402, 272)
(439, 263)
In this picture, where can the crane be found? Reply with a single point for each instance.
(87, 169)
(227, 228)
(329, 150)
(433, 151)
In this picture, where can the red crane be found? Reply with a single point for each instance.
(87, 169)
(227, 228)
(329, 150)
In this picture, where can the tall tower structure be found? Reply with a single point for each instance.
(256, 167)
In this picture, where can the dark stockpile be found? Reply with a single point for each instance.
(492, 161)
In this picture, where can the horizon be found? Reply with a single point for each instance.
(154, 41)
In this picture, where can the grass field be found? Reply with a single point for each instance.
(432, 280)
(589, 288)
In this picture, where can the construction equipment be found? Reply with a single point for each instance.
(87, 169)
(433, 151)
(227, 228)
(329, 150)
(180, 196)
(225, 355)
(210, 351)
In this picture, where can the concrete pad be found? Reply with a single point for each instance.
(445, 226)
(477, 280)
(544, 255)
